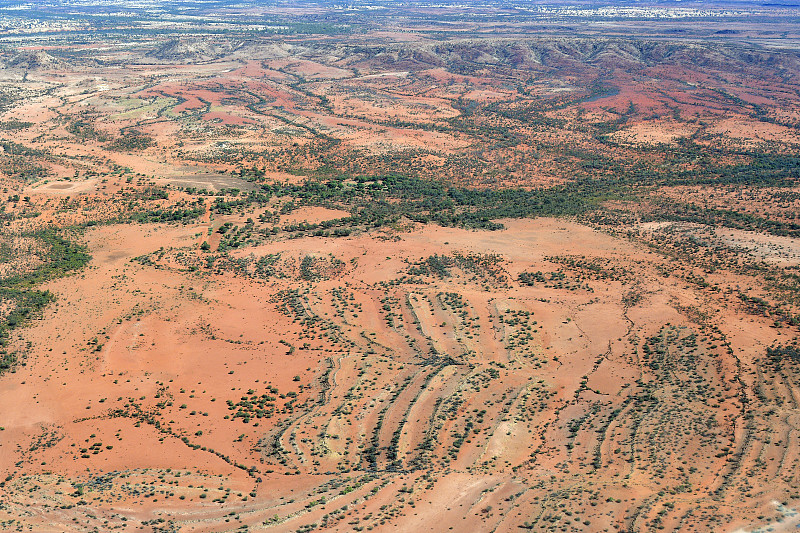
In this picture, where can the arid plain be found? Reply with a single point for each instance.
(400, 269)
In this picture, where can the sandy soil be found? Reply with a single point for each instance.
(134, 388)
(221, 372)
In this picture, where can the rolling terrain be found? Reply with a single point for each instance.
(424, 269)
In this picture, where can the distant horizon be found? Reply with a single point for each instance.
(481, 3)
(399, 266)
